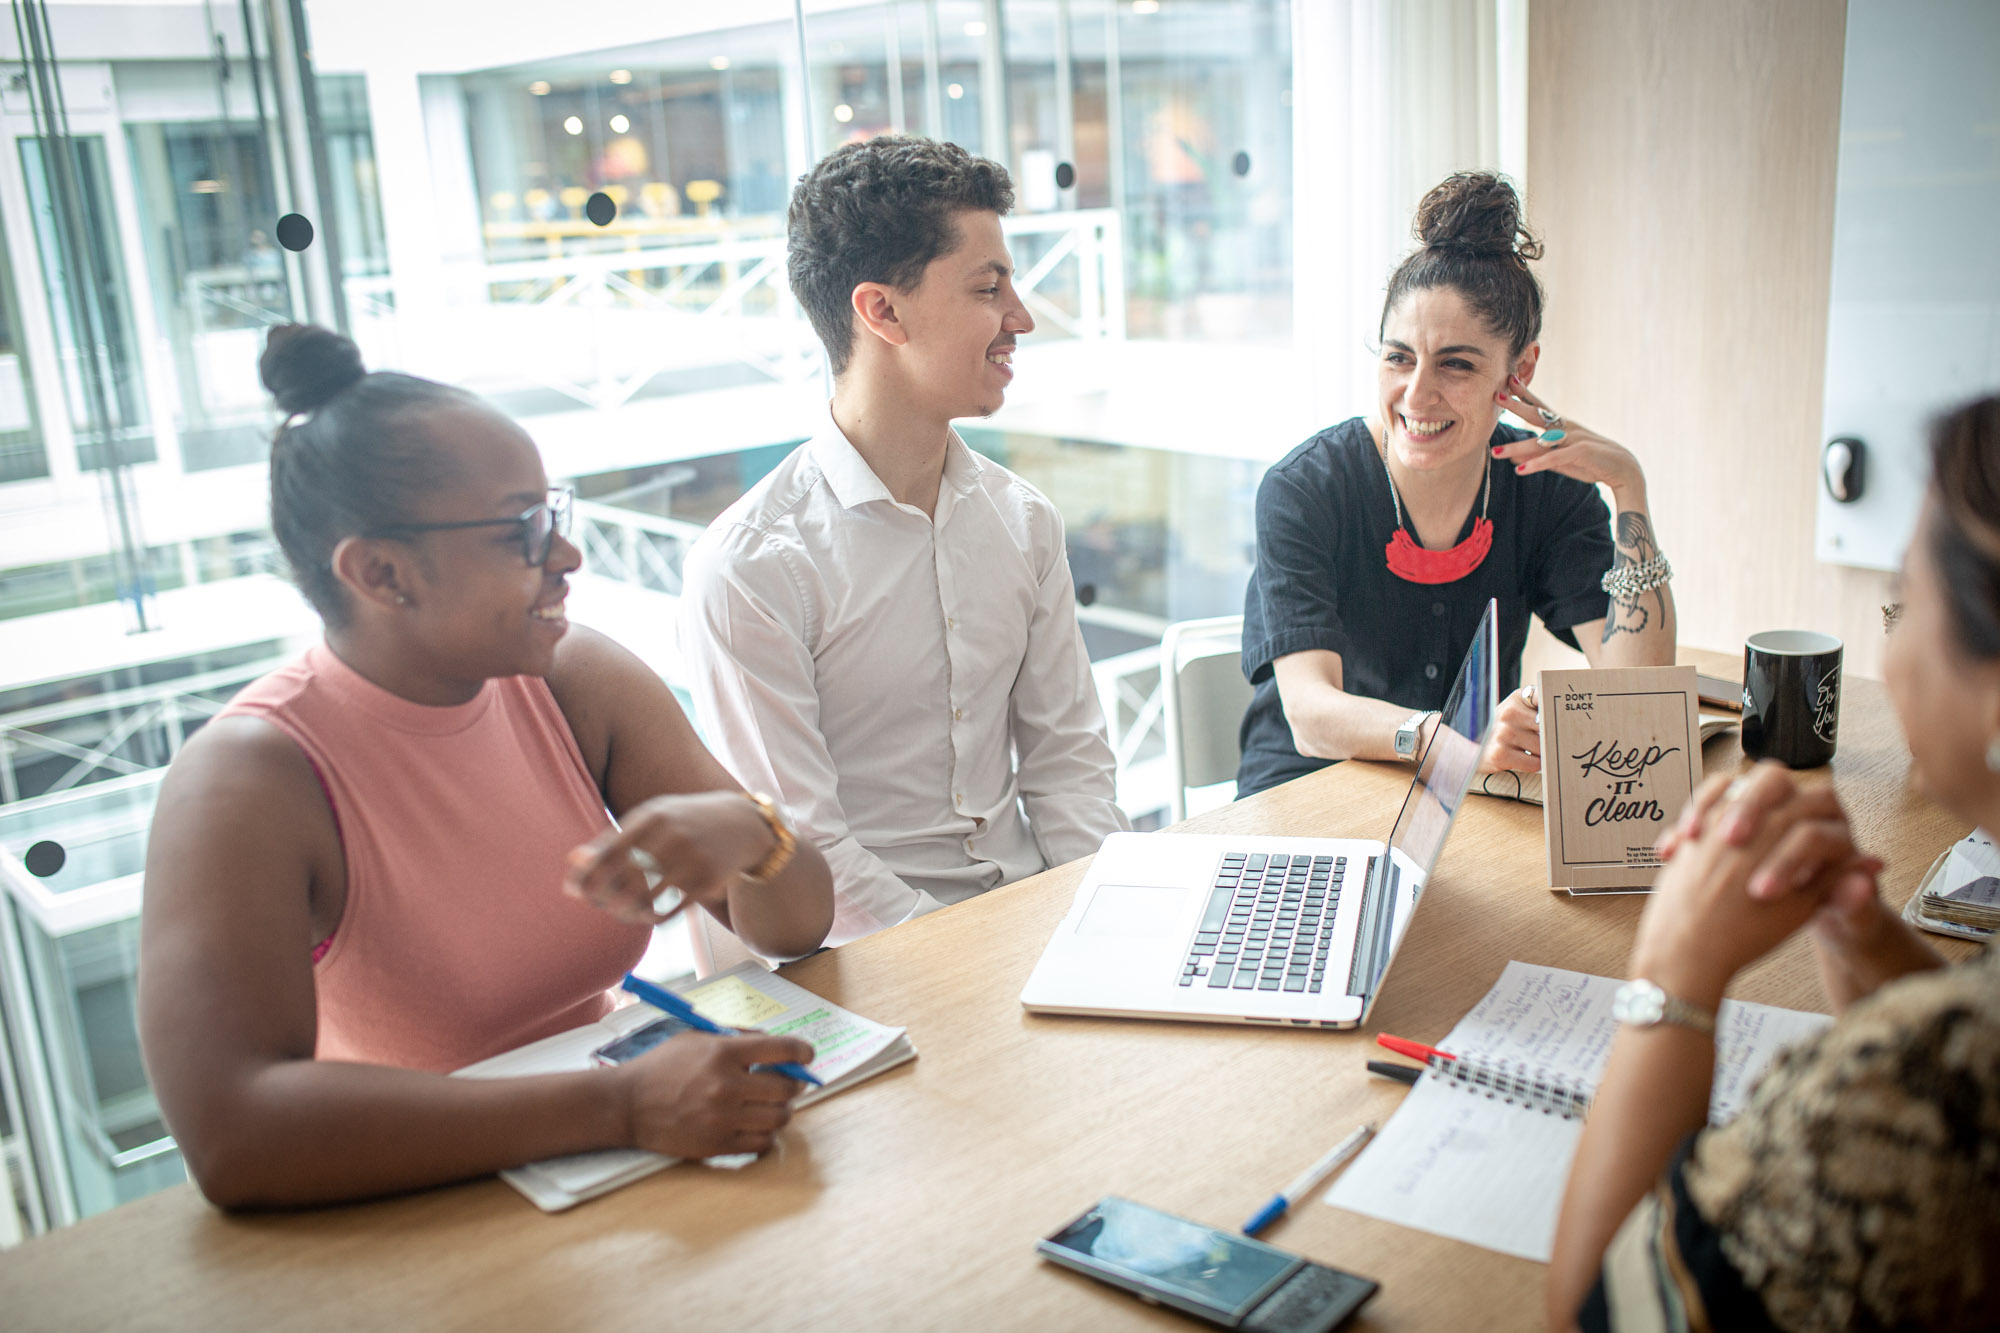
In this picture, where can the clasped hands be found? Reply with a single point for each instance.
(1753, 858)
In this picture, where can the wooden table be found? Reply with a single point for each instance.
(914, 1201)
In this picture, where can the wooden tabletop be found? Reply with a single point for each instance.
(914, 1201)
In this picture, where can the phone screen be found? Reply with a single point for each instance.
(1212, 1267)
(638, 1041)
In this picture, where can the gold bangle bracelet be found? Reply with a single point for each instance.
(781, 855)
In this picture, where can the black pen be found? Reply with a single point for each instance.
(1390, 1069)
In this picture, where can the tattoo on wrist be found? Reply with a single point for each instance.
(1635, 613)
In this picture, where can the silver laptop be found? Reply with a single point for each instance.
(1216, 928)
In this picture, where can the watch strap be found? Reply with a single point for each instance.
(1680, 1013)
(1413, 727)
(787, 844)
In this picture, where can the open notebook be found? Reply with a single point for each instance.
(848, 1049)
(1486, 1161)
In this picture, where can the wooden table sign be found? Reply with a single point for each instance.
(1621, 754)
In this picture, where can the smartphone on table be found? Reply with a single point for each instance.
(638, 1041)
(1225, 1278)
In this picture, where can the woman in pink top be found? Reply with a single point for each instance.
(397, 855)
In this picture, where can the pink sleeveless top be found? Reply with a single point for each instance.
(457, 941)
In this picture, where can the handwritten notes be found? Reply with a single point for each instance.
(734, 1002)
(1478, 1169)
(1621, 753)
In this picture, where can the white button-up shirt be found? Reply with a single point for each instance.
(912, 690)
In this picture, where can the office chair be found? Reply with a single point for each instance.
(1205, 695)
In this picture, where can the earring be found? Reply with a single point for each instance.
(1993, 755)
(402, 599)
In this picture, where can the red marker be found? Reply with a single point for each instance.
(1415, 1050)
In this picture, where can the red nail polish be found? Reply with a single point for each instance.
(1520, 468)
(1499, 451)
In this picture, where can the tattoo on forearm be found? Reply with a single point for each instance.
(1634, 614)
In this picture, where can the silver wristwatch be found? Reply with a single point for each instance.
(1643, 1004)
(1410, 733)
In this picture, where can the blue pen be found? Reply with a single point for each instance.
(662, 998)
(1308, 1182)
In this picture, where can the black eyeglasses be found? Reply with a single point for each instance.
(539, 526)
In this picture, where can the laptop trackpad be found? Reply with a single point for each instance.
(1136, 911)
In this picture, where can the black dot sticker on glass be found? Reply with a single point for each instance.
(1240, 164)
(294, 232)
(599, 209)
(45, 858)
(1086, 594)
(1065, 175)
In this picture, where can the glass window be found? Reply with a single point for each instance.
(85, 276)
(23, 454)
(207, 211)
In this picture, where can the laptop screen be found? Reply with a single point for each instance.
(1443, 776)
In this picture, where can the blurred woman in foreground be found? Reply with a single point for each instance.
(1860, 1188)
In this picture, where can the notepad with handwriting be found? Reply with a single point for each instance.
(1485, 1166)
(847, 1049)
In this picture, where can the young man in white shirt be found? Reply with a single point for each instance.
(883, 632)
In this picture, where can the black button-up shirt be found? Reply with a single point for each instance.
(1324, 517)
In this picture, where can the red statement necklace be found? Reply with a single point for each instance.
(1416, 564)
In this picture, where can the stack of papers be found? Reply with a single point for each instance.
(1491, 1172)
(1961, 894)
(848, 1049)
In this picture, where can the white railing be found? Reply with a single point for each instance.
(605, 323)
(170, 706)
(1128, 684)
(636, 548)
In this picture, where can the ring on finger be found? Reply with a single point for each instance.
(1737, 786)
(1550, 417)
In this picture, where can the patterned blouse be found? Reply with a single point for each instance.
(1859, 1189)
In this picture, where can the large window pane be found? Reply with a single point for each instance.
(23, 454)
(91, 309)
(207, 210)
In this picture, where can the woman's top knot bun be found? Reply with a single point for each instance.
(305, 366)
(1476, 211)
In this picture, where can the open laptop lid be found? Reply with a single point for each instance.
(1432, 803)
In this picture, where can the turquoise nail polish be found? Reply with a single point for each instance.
(1552, 437)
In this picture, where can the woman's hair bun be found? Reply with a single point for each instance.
(305, 366)
(1476, 211)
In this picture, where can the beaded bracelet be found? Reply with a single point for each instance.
(1628, 581)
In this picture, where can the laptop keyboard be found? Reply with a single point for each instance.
(1268, 925)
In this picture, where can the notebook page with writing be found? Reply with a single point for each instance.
(1479, 1169)
(847, 1049)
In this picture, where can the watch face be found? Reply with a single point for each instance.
(1638, 1002)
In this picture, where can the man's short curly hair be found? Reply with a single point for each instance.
(879, 211)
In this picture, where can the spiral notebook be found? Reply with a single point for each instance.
(848, 1049)
(1481, 1154)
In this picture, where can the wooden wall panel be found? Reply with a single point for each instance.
(1681, 165)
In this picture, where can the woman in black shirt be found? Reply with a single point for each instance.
(1380, 540)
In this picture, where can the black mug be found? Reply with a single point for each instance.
(1791, 696)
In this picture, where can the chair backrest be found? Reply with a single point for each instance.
(1204, 696)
